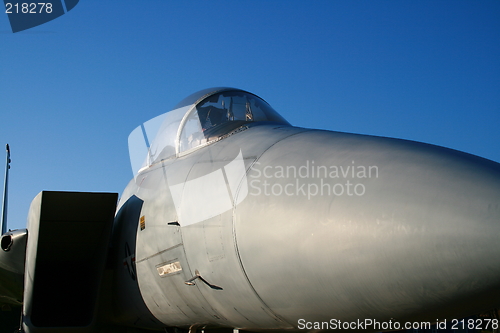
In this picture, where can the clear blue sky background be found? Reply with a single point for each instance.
(72, 90)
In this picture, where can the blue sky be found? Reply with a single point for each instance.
(72, 90)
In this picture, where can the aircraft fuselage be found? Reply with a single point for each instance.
(320, 225)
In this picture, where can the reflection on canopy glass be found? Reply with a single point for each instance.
(193, 124)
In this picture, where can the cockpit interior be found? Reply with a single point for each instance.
(222, 113)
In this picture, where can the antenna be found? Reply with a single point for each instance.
(5, 188)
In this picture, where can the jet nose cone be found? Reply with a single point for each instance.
(372, 228)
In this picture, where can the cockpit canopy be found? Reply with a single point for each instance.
(200, 118)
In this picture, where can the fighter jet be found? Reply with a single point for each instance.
(235, 219)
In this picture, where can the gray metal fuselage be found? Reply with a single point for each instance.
(321, 225)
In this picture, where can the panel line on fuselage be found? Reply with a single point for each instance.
(158, 253)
